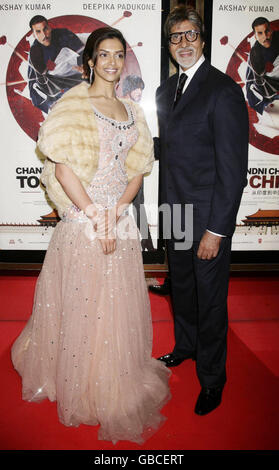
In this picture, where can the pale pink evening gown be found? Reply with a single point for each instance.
(88, 343)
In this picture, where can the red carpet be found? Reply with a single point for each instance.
(247, 418)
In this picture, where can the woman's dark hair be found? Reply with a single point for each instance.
(93, 42)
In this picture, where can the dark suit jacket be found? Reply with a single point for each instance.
(203, 148)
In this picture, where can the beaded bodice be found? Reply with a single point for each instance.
(110, 179)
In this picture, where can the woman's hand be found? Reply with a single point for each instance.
(104, 224)
(92, 213)
(106, 229)
(108, 245)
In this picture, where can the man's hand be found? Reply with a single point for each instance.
(209, 246)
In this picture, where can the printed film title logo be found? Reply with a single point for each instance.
(28, 177)
(264, 177)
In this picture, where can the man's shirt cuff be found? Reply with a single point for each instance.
(218, 234)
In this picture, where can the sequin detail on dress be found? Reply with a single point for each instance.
(88, 342)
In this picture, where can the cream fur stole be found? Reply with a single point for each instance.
(69, 135)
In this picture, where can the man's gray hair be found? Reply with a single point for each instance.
(181, 13)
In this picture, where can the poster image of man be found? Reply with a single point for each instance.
(255, 67)
(132, 87)
(262, 76)
(55, 60)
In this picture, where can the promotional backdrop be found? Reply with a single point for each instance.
(31, 80)
(232, 41)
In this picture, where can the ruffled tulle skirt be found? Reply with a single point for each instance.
(88, 342)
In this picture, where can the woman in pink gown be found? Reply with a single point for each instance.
(88, 342)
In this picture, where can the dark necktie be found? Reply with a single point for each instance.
(182, 79)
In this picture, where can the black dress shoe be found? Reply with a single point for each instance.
(171, 360)
(163, 289)
(209, 399)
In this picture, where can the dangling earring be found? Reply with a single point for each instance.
(91, 75)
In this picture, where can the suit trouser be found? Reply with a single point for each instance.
(199, 290)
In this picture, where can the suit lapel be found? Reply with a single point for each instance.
(169, 92)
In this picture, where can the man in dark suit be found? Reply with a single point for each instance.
(203, 154)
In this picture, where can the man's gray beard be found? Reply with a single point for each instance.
(186, 63)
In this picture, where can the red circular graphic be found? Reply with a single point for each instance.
(260, 141)
(26, 114)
